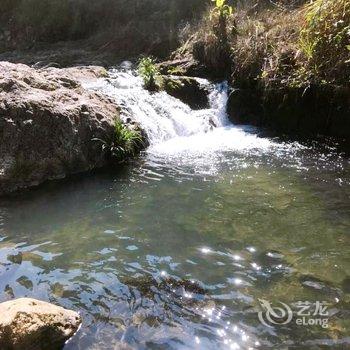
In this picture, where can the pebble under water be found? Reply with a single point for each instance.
(176, 249)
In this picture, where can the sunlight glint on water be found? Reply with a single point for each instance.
(174, 250)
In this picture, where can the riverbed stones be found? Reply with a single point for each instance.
(29, 324)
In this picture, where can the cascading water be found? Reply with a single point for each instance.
(173, 128)
(162, 116)
(192, 141)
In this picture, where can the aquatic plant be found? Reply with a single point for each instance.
(125, 142)
(150, 74)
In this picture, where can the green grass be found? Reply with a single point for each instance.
(124, 144)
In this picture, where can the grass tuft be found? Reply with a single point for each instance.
(124, 144)
(325, 39)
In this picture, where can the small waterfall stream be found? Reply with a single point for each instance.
(162, 116)
(173, 128)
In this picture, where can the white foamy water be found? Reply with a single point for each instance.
(162, 116)
(175, 131)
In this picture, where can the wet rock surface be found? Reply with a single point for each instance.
(187, 66)
(36, 325)
(187, 89)
(48, 122)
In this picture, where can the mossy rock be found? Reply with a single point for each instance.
(188, 90)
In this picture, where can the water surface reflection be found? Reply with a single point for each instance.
(168, 253)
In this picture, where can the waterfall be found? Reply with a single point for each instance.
(162, 116)
(175, 131)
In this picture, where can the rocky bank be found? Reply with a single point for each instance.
(48, 122)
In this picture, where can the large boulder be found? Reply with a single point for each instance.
(48, 123)
(29, 324)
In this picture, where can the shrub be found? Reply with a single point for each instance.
(220, 16)
(325, 39)
(125, 143)
(150, 74)
(210, 41)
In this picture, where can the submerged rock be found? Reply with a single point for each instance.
(148, 286)
(48, 123)
(346, 285)
(36, 325)
(317, 285)
(188, 293)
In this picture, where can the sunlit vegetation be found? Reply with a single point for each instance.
(325, 39)
(149, 73)
(294, 43)
(209, 42)
(221, 9)
(266, 48)
(125, 142)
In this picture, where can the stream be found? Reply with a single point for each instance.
(177, 248)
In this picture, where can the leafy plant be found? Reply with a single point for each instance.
(221, 9)
(150, 74)
(125, 143)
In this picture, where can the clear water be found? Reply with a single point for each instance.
(239, 217)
